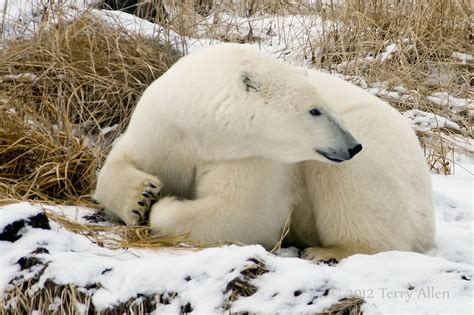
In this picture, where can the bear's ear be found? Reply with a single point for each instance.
(249, 82)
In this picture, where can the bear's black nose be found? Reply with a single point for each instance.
(353, 151)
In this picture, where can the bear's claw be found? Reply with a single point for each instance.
(149, 195)
(141, 219)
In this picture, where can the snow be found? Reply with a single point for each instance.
(387, 54)
(455, 224)
(107, 130)
(138, 26)
(286, 37)
(424, 121)
(453, 103)
(440, 281)
(382, 90)
(20, 18)
(463, 57)
(18, 212)
(19, 77)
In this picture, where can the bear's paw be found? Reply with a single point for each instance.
(143, 198)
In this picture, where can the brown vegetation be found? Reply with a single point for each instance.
(60, 90)
(426, 35)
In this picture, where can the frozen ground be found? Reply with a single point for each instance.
(440, 281)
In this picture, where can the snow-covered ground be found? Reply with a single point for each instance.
(440, 281)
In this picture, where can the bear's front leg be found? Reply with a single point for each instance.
(125, 191)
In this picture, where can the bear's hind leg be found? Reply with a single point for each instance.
(125, 191)
(213, 220)
(245, 201)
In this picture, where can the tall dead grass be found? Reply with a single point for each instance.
(425, 34)
(187, 17)
(408, 44)
(65, 94)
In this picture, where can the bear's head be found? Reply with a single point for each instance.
(246, 104)
(292, 120)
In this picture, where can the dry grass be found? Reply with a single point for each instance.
(53, 298)
(211, 19)
(59, 90)
(241, 285)
(121, 236)
(426, 34)
(346, 306)
(38, 161)
(45, 300)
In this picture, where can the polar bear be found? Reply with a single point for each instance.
(235, 141)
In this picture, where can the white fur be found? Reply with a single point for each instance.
(382, 199)
(227, 130)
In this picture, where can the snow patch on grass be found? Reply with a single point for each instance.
(424, 121)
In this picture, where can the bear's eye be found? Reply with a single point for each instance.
(314, 112)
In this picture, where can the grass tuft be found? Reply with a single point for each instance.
(346, 306)
(65, 95)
